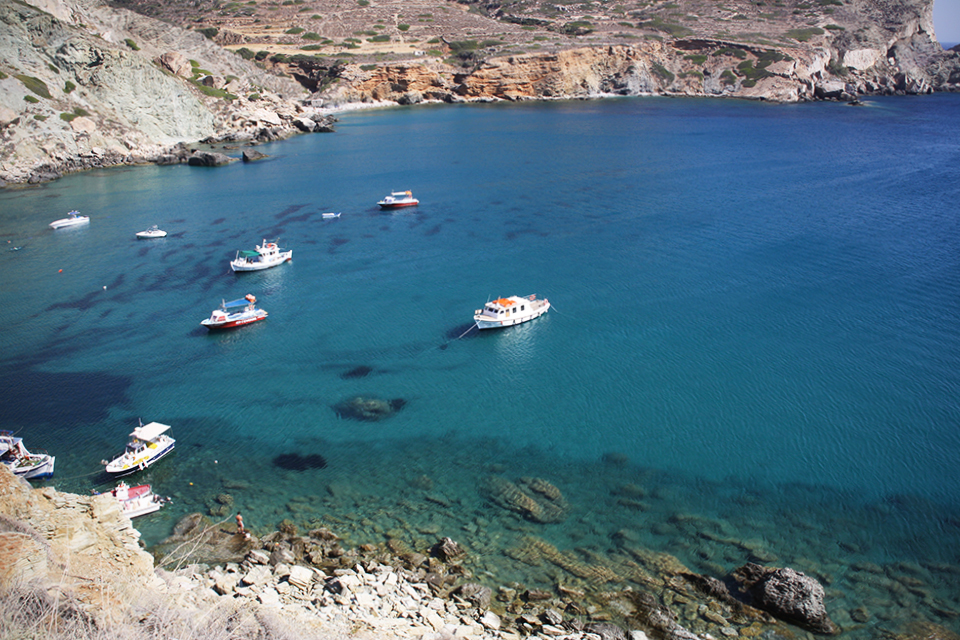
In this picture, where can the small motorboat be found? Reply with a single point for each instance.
(505, 312)
(32, 466)
(327, 216)
(235, 313)
(73, 219)
(398, 199)
(152, 232)
(137, 501)
(266, 255)
(148, 443)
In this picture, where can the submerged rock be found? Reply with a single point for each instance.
(787, 594)
(368, 409)
(297, 462)
(533, 498)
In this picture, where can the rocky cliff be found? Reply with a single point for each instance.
(83, 85)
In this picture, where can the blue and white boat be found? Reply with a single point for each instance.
(73, 219)
(32, 466)
(148, 443)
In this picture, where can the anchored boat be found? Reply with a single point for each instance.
(137, 501)
(148, 443)
(235, 313)
(73, 219)
(32, 466)
(266, 255)
(505, 312)
(398, 199)
(152, 232)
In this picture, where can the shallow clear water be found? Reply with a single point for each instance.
(755, 321)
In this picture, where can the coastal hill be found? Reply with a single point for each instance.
(91, 84)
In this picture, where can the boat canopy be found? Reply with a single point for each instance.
(246, 253)
(149, 432)
(504, 302)
(233, 304)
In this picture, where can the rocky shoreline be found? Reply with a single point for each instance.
(86, 548)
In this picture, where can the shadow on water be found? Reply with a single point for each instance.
(361, 371)
(34, 397)
(297, 462)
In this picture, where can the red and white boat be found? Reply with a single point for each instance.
(137, 501)
(398, 199)
(235, 313)
(505, 312)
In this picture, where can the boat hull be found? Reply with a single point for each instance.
(41, 471)
(242, 265)
(62, 224)
(483, 323)
(144, 235)
(232, 324)
(118, 471)
(398, 205)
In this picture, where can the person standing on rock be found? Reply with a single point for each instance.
(240, 528)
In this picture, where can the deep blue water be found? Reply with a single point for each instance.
(755, 319)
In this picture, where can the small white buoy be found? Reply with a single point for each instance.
(104, 287)
(215, 462)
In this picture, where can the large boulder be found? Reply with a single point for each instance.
(788, 595)
(209, 159)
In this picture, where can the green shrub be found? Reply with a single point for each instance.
(662, 72)
(67, 117)
(53, 68)
(278, 57)
(577, 28)
(433, 41)
(39, 117)
(253, 97)
(35, 85)
(381, 38)
(363, 3)
(208, 32)
(31, 99)
(676, 30)
(261, 55)
(79, 111)
(802, 35)
(3, 76)
(834, 27)
(461, 45)
(194, 64)
(731, 51)
(213, 92)
(696, 58)
(311, 47)
(403, 27)
(728, 77)
(245, 53)
(491, 43)
(368, 67)
(310, 35)
(68, 87)
(294, 31)
(316, 16)
(133, 45)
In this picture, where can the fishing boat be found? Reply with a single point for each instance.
(398, 199)
(327, 216)
(73, 219)
(148, 444)
(137, 501)
(505, 312)
(235, 313)
(152, 232)
(32, 466)
(266, 255)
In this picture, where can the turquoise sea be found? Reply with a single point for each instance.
(753, 352)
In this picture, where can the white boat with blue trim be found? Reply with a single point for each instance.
(148, 444)
(506, 312)
(32, 466)
(73, 219)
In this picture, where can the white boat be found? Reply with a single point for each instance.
(152, 232)
(505, 312)
(235, 313)
(266, 255)
(327, 216)
(73, 219)
(137, 501)
(32, 466)
(398, 199)
(147, 445)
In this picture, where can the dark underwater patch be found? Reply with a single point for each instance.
(464, 330)
(297, 462)
(361, 371)
(39, 397)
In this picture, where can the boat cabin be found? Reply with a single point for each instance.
(503, 306)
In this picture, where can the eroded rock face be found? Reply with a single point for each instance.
(81, 544)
